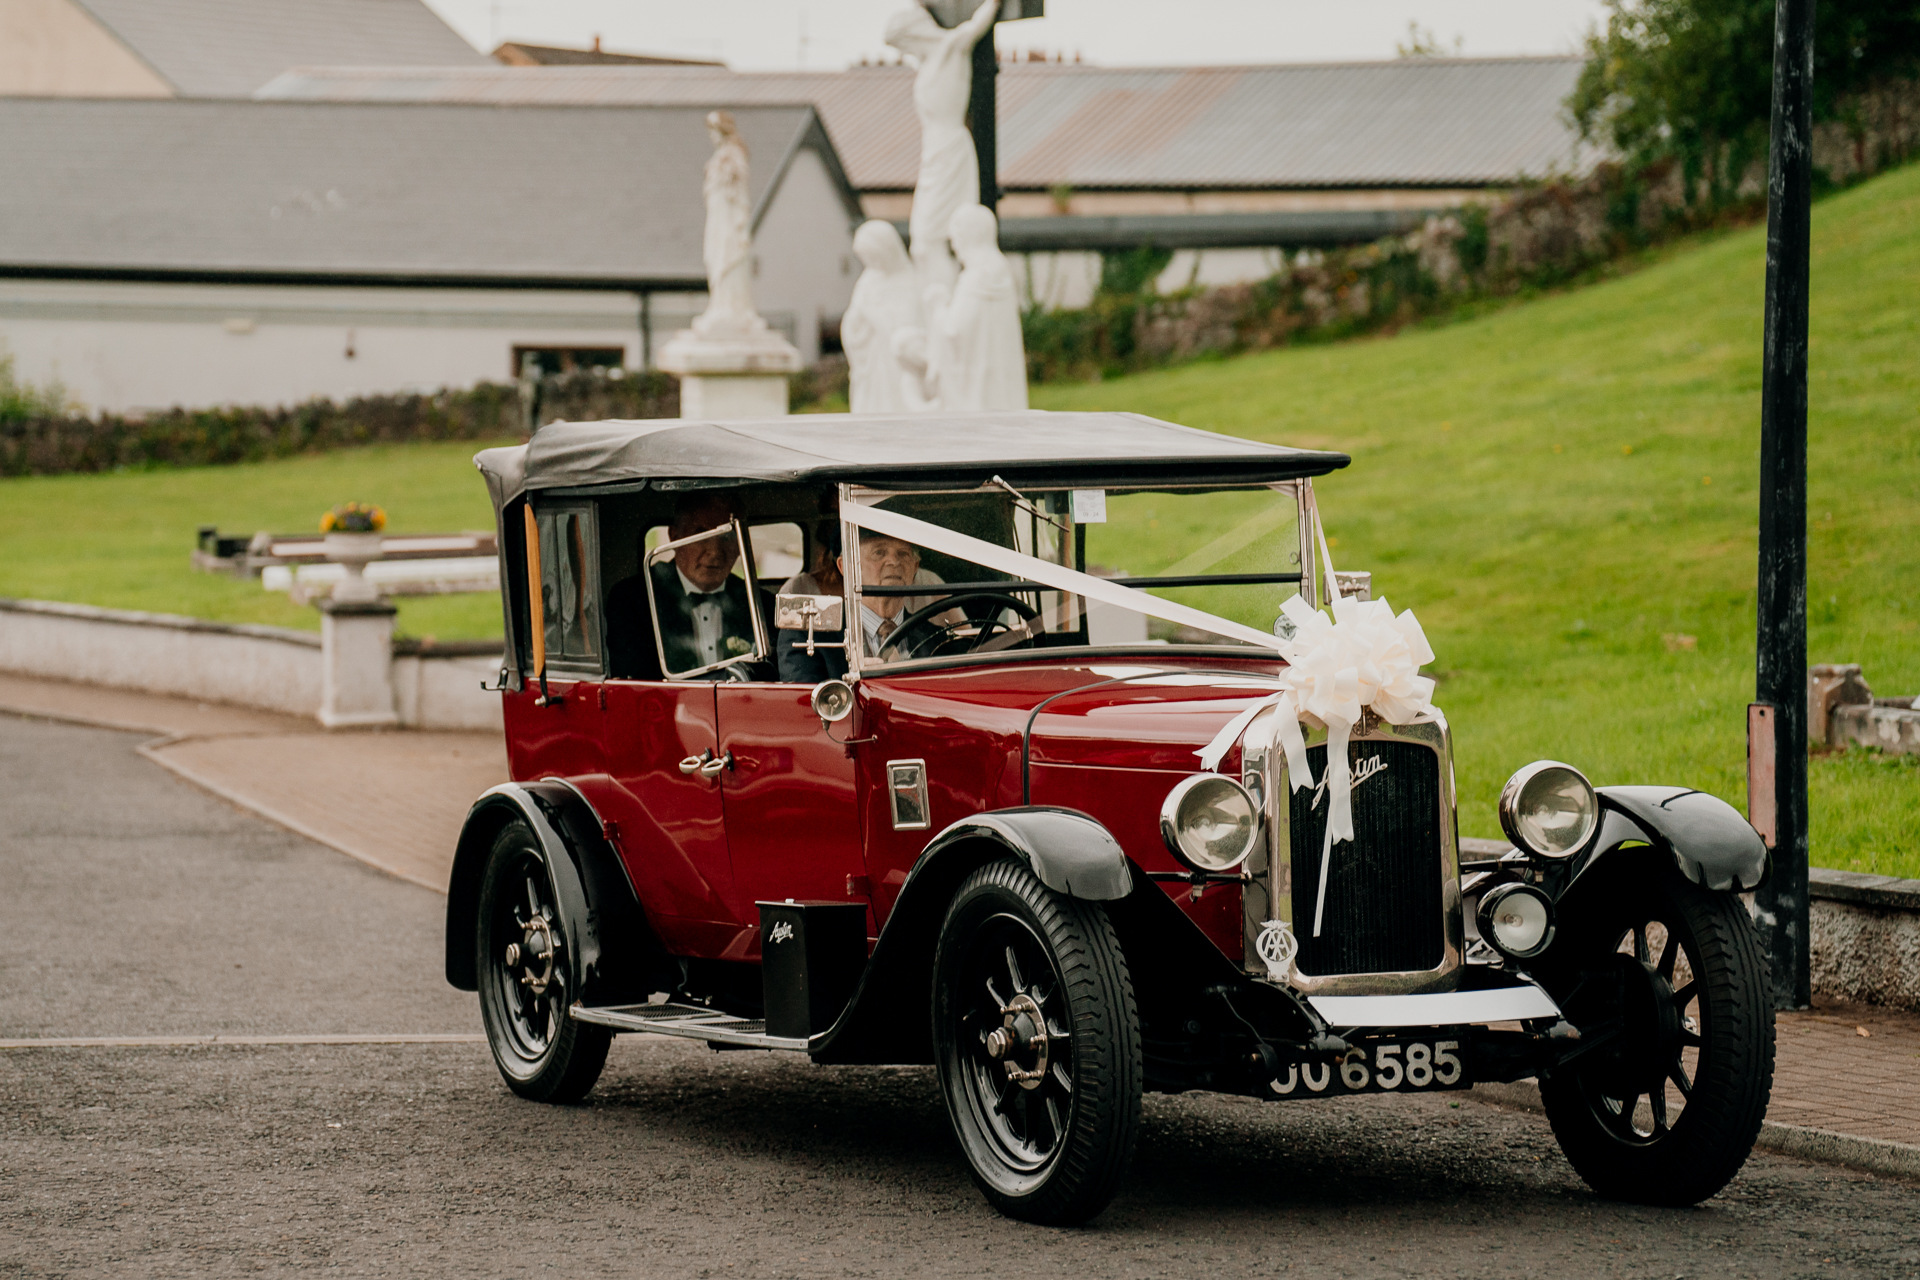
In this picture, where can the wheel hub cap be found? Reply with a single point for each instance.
(1651, 1025)
(1020, 1043)
(533, 955)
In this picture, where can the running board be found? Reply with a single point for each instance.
(690, 1021)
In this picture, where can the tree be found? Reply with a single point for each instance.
(1691, 80)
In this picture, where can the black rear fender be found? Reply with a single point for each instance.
(615, 957)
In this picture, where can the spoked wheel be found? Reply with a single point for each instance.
(1665, 1095)
(525, 987)
(1037, 1043)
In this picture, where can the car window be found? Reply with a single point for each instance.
(569, 594)
(779, 552)
(704, 612)
(1232, 553)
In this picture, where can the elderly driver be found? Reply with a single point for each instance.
(886, 561)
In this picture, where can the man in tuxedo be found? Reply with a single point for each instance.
(704, 617)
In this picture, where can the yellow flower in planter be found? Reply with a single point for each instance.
(353, 517)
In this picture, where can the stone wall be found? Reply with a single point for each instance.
(1865, 938)
(267, 668)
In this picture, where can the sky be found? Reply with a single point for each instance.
(826, 35)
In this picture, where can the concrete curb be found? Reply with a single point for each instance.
(1871, 1155)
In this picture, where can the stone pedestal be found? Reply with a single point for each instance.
(356, 684)
(731, 375)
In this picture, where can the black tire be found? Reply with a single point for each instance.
(542, 1053)
(1669, 987)
(1051, 1150)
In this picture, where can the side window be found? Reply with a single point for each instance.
(779, 552)
(569, 591)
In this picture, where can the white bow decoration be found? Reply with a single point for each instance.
(1362, 659)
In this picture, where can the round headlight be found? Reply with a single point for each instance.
(1549, 809)
(832, 700)
(1210, 822)
(1517, 918)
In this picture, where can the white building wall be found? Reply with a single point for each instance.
(804, 266)
(134, 347)
(1211, 268)
(1055, 281)
(1068, 280)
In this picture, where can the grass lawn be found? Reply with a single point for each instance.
(123, 540)
(1563, 490)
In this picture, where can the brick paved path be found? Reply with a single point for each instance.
(1829, 1076)
(396, 800)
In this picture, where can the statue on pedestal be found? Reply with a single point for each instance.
(728, 250)
(730, 364)
(949, 176)
(977, 356)
(886, 300)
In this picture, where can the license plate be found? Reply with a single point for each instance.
(1378, 1066)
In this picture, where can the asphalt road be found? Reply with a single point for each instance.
(137, 906)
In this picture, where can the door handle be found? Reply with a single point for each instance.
(713, 767)
(694, 764)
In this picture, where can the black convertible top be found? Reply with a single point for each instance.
(920, 451)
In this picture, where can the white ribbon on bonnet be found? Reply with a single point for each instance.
(1362, 659)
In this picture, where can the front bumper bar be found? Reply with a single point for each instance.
(1437, 1009)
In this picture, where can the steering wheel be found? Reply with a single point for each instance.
(937, 635)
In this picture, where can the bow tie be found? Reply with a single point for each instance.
(704, 597)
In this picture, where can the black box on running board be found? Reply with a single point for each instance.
(811, 955)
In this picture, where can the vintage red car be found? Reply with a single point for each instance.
(1055, 830)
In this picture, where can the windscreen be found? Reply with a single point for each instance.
(1231, 553)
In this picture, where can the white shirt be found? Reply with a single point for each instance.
(706, 619)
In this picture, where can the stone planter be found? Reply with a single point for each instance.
(354, 552)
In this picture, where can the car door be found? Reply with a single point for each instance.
(793, 827)
(667, 812)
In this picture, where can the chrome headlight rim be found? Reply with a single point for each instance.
(1511, 818)
(1490, 904)
(1170, 825)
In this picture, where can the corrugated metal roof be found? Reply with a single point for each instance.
(471, 194)
(1411, 122)
(229, 48)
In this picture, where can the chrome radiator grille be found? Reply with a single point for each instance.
(1384, 899)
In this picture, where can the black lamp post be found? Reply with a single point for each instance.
(1777, 722)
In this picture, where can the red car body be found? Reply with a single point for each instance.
(982, 834)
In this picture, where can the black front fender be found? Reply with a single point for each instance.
(614, 950)
(887, 1019)
(1708, 840)
(1070, 852)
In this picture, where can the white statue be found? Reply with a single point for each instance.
(977, 357)
(942, 88)
(918, 393)
(885, 300)
(729, 242)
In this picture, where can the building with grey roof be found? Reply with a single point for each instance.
(158, 252)
(208, 48)
(1230, 163)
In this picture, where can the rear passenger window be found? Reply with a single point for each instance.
(569, 591)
